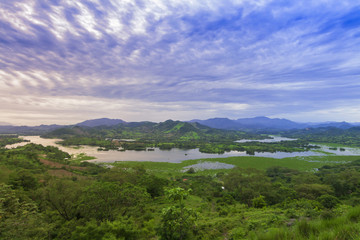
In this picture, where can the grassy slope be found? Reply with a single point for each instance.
(299, 163)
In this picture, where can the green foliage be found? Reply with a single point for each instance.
(246, 184)
(28, 156)
(106, 200)
(281, 173)
(328, 201)
(63, 196)
(312, 191)
(55, 154)
(9, 139)
(344, 178)
(136, 175)
(354, 214)
(205, 187)
(305, 229)
(177, 194)
(259, 202)
(21, 157)
(297, 208)
(19, 217)
(177, 221)
(128, 201)
(348, 137)
(23, 179)
(146, 131)
(118, 229)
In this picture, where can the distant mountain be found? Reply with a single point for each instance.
(42, 129)
(220, 123)
(265, 123)
(256, 123)
(100, 122)
(269, 123)
(342, 125)
(26, 130)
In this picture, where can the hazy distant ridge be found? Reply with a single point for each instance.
(265, 123)
(256, 123)
(100, 122)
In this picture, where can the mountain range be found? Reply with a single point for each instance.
(265, 123)
(244, 124)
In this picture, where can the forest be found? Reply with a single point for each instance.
(48, 194)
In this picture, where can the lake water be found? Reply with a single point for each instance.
(174, 155)
(272, 139)
(347, 151)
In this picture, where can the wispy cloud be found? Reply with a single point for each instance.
(242, 58)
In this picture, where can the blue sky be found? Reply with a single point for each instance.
(64, 61)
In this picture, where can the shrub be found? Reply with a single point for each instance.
(328, 201)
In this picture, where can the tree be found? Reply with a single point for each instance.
(312, 191)
(259, 202)
(23, 179)
(106, 200)
(19, 217)
(246, 184)
(328, 201)
(177, 221)
(63, 196)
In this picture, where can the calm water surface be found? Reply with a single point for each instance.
(174, 155)
(273, 139)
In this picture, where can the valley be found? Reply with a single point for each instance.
(243, 185)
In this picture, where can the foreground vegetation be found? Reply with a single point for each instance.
(45, 194)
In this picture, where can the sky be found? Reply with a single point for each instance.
(65, 61)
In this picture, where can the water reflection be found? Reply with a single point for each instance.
(174, 155)
(341, 151)
(273, 139)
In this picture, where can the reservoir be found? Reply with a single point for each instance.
(174, 155)
(272, 139)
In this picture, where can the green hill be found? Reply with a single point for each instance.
(148, 131)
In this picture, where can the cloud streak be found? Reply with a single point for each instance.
(275, 58)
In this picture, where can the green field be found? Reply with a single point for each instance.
(299, 163)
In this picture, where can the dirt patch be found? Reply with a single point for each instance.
(59, 165)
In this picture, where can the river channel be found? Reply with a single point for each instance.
(174, 155)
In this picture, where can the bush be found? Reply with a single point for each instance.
(259, 202)
(328, 201)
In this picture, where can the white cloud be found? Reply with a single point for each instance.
(176, 59)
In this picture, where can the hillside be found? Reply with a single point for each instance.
(27, 130)
(349, 137)
(148, 131)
